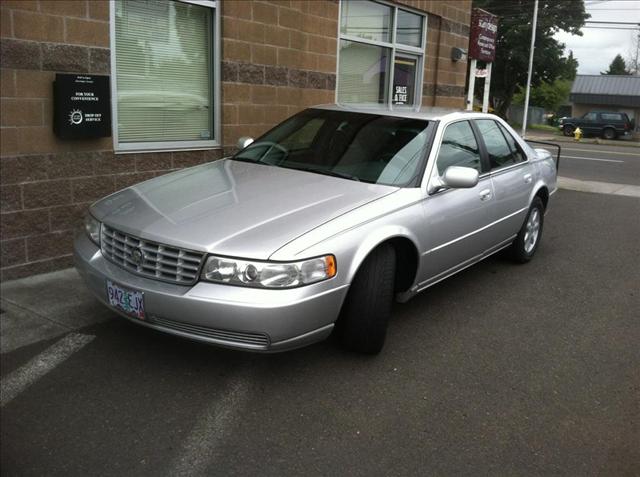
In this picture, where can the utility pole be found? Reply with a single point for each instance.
(533, 44)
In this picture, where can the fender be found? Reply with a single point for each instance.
(375, 239)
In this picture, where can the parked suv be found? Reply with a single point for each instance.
(607, 124)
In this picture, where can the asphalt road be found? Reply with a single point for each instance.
(501, 370)
(606, 163)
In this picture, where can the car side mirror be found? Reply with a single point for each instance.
(244, 141)
(455, 177)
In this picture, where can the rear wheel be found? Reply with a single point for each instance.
(568, 130)
(609, 133)
(362, 326)
(526, 243)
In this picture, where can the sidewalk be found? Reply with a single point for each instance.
(44, 307)
(535, 135)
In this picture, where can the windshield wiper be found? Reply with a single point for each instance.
(326, 172)
(246, 159)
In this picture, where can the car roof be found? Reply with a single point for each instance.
(426, 113)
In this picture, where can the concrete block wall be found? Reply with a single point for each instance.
(278, 57)
(46, 184)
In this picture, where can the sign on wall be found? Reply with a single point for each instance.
(81, 106)
(482, 37)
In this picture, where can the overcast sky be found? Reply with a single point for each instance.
(596, 48)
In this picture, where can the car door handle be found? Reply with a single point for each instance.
(485, 194)
(527, 178)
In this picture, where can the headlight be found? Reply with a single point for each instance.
(251, 273)
(92, 228)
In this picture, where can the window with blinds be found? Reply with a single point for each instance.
(381, 54)
(164, 72)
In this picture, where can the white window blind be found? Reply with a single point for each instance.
(163, 71)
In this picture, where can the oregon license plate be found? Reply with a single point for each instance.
(130, 302)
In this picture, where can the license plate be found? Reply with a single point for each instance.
(129, 301)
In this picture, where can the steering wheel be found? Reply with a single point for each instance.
(274, 145)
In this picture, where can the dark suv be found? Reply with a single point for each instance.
(607, 124)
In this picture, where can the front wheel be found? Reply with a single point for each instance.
(568, 130)
(362, 325)
(526, 243)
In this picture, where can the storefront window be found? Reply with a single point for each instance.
(363, 73)
(379, 62)
(164, 87)
(409, 28)
(365, 19)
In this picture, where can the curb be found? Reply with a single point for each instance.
(597, 142)
(626, 190)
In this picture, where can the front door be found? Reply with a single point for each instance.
(456, 220)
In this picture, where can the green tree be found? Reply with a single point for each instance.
(617, 67)
(549, 96)
(514, 38)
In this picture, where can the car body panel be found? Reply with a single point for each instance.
(232, 208)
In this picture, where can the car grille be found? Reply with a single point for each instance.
(150, 259)
(254, 340)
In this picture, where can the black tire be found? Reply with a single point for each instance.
(362, 326)
(568, 130)
(521, 252)
(609, 133)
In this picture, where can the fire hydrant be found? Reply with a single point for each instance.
(577, 134)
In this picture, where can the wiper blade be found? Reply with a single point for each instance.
(326, 172)
(246, 159)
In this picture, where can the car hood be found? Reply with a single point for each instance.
(233, 208)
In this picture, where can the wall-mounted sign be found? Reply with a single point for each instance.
(81, 106)
(481, 73)
(482, 37)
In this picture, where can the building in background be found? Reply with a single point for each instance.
(606, 93)
(187, 80)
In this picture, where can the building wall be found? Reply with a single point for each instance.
(278, 57)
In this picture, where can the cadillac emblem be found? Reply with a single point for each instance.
(137, 256)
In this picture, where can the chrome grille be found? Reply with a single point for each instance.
(254, 340)
(161, 262)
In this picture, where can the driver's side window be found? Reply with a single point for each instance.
(458, 148)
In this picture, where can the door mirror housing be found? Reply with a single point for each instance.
(455, 177)
(244, 141)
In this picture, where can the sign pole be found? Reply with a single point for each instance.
(472, 84)
(487, 84)
(533, 43)
(483, 34)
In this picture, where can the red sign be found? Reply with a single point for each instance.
(482, 37)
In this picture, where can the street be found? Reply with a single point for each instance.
(605, 163)
(502, 369)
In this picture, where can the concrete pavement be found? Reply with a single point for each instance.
(500, 370)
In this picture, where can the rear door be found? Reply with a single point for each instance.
(512, 178)
(456, 220)
(589, 124)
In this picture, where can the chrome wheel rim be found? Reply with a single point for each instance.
(532, 231)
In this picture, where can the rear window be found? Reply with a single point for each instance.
(611, 117)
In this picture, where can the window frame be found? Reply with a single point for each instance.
(418, 52)
(160, 146)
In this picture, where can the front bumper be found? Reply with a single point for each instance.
(234, 317)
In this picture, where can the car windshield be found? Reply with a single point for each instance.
(363, 147)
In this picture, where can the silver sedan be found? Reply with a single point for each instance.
(316, 227)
